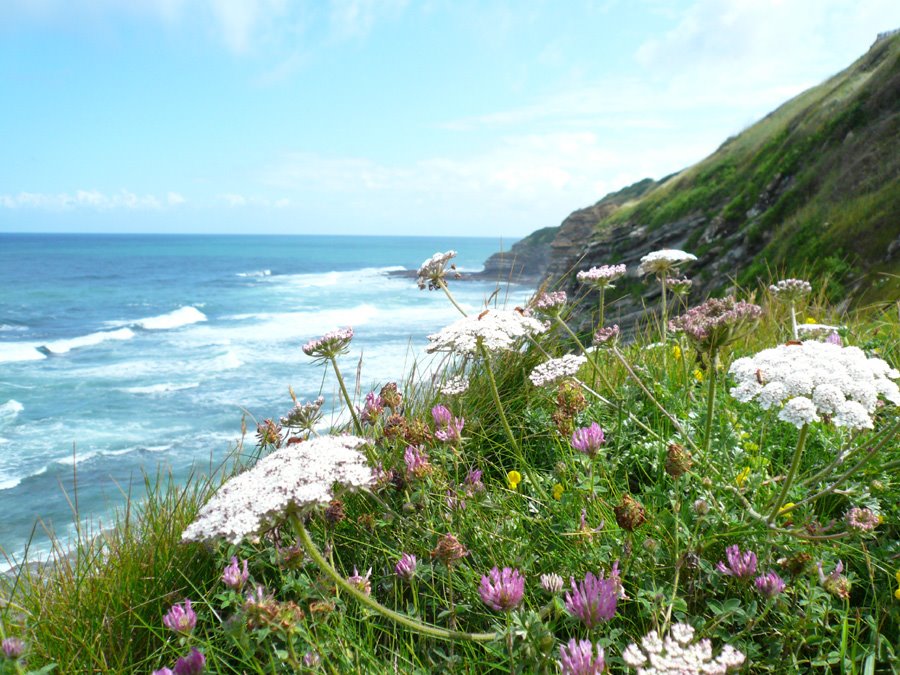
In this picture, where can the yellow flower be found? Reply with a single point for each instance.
(676, 352)
(514, 478)
(810, 320)
(698, 375)
(781, 511)
(897, 594)
(897, 576)
(750, 446)
(558, 490)
(745, 434)
(742, 477)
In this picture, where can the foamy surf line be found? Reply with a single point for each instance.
(65, 346)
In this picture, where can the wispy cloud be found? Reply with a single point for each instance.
(89, 199)
(236, 200)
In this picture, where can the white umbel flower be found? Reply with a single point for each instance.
(432, 272)
(664, 261)
(556, 369)
(677, 655)
(497, 330)
(816, 378)
(293, 478)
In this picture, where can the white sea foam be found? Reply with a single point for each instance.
(10, 328)
(65, 346)
(10, 409)
(20, 351)
(257, 273)
(79, 458)
(163, 388)
(183, 316)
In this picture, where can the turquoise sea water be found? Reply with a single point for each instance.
(120, 352)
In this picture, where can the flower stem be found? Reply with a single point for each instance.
(368, 601)
(662, 282)
(602, 294)
(450, 296)
(792, 472)
(710, 403)
(592, 358)
(347, 399)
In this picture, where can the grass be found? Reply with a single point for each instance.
(99, 606)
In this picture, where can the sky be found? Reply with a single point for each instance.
(393, 117)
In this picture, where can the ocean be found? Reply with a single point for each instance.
(124, 353)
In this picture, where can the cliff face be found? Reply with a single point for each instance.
(811, 190)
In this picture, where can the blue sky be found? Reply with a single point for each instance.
(486, 118)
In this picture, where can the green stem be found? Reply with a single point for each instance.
(592, 358)
(789, 479)
(347, 399)
(450, 296)
(368, 601)
(602, 317)
(794, 321)
(840, 479)
(710, 403)
(662, 282)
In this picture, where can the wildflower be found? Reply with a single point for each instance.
(588, 439)
(416, 460)
(181, 618)
(495, 330)
(433, 271)
(513, 478)
(701, 507)
(502, 590)
(742, 477)
(392, 398)
(454, 386)
(601, 277)
(676, 352)
(791, 290)
(552, 583)
(662, 262)
(330, 345)
(578, 658)
(449, 549)
(372, 409)
(838, 381)
(12, 648)
(298, 477)
(861, 519)
(679, 286)
(676, 655)
(785, 510)
(334, 514)
(678, 460)
(630, 514)
(897, 592)
(558, 491)
(361, 582)
(716, 322)
(453, 501)
(593, 600)
(233, 576)
(835, 582)
(406, 566)
(473, 483)
(192, 664)
(311, 659)
(740, 565)
(449, 428)
(769, 584)
(698, 374)
(163, 671)
(810, 321)
(304, 416)
(834, 339)
(555, 369)
(607, 335)
(550, 303)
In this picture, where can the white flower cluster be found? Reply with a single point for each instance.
(432, 271)
(791, 289)
(296, 477)
(677, 656)
(663, 261)
(816, 378)
(497, 330)
(602, 276)
(555, 369)
(454, 386)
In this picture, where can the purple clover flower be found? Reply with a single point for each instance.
(406, 566)
(473, 484)
(181, 618)
(448, 428)
(578, 658)
(12, 648)
(235, 577)
(372, 409)
(192, 664)
(441, 415)
(416, 460)
(740, 565)
(769, 584)
(163, 671)
(593, 600)
(502, 590)
(588, 439)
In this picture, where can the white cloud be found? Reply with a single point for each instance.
(85, 199)
(175, 199)
(235, 200)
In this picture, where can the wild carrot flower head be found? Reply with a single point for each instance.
(192, 664)
(769, 584)
(304, 416)
(588, 439)
(502, 590)
(677, 655)
(593, 600)
(791, 290)
(416, 460)
(601, 277)
(740, 565)
(454, 386)
(678, 286)
(815, 378)
(330, 345)
(861, 519)
(233, 576)
(406, 566)
(433, 271)
(554, 370)
(495, 329)
(663, 262)
(716, 322)
(579, 658)
(181, 618)
(298, 477)
(12, 648)
(550, 303)
(607, 335)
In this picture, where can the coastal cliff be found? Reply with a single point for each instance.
(812, 189)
